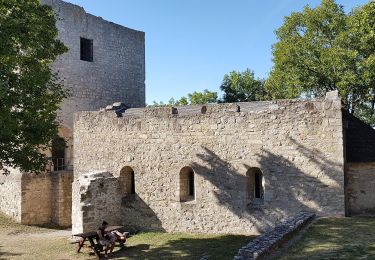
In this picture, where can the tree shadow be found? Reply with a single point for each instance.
(136, 252)
(221, 247)
(137, 215)
(288, 187)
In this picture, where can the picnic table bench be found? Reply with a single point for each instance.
(93, 238)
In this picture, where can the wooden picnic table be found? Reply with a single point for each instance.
(93, 238)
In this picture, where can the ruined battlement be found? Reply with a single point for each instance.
(241, 108)
(78, 10)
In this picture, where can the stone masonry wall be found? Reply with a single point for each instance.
(96, 200)
(297, 145)
(10, 195)
(117, 72)
(47, 198)
(36, 199)
(361, 188)
(62, 198)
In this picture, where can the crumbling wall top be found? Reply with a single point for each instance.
(331, 101)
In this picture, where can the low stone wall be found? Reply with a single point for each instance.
(267, 243)
(37, 199)
(360, 188)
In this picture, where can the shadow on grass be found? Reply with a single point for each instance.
(219, 247)
(336, 238)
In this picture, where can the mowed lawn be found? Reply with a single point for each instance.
(336, 238)
(24, 242)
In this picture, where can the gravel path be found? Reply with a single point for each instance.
(57, 233)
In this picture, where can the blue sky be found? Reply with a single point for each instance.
(191, 44)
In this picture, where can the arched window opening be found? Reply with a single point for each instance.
(254, 184)
(187, 184)
(258, 185)
(58, 154)
(127, 180)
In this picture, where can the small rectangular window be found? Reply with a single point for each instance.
(191, 184)
(187, 187)
(255, 185)
(258, 185)
(87, 50)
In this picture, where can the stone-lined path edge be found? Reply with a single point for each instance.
(266, 244)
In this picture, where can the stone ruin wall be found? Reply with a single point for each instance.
(298, 145)
(99, 199)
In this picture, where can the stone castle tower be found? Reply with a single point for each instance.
(105, 64)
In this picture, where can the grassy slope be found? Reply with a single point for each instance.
(336, 238)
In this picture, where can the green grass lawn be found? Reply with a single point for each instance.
(183, 246)
(329, 238)
(24, 242)
(336, 238)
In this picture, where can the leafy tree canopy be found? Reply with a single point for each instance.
(205, 97)
(29, 92)
(324, 49)
(242, 87)
(195, 98)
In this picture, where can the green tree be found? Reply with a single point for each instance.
(183, 101)
(323, 49)
(361, 39)
(195, 98)
(200, 98)
(171, 102)
(242, 87)
(157, 104)
(29, 92)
